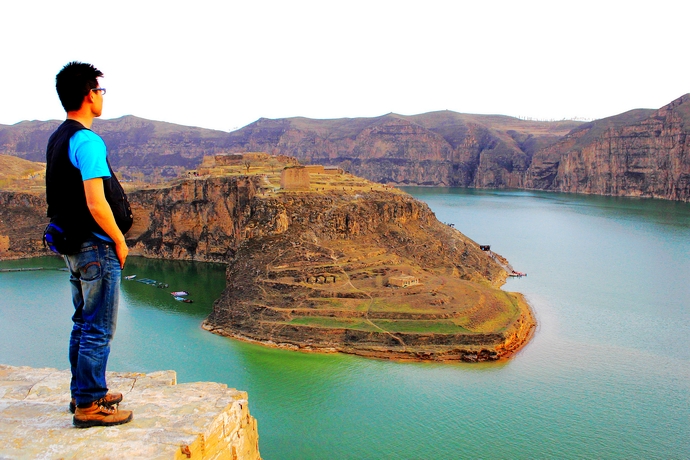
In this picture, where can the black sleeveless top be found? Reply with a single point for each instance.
(65, 189)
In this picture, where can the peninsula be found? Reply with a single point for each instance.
(321, 260)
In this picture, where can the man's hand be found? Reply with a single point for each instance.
(122, 250)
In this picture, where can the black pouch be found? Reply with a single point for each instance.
(122, 210)
(117, 199)
(59, 240)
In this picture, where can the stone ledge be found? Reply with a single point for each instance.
(201, 420)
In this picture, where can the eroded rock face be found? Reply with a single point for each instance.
(195, 220)
(639, 153)
(22, 221)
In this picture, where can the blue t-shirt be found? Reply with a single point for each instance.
(87, 153)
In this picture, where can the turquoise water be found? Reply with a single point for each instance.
(607, 374)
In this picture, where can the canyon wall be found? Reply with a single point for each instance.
(440, 148)
(639, 153)
(22, 221)
(642, 152)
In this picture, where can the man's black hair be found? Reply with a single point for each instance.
(73, 82)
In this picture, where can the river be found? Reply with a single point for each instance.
(607, 374)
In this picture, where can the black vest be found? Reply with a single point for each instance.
(65, 189)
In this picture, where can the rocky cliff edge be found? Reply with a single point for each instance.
(200, 420)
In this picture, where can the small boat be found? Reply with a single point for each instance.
(130, 277)
(179, 293)
(183, 299)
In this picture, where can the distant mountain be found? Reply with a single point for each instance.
(438, 148)
(642, 152)
(134, 144)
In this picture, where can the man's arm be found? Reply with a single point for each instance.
(103, 215)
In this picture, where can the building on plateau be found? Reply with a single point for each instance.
(403, 281)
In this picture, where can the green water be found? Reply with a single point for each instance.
(607, 374)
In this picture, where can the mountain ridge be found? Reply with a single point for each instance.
(442, 148)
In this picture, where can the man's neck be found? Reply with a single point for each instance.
(85, 119)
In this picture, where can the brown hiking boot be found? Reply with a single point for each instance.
(108, 400)
(100, 415)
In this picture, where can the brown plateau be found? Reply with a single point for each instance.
(318, 260)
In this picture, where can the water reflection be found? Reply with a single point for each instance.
(46, 262)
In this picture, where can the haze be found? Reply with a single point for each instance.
(223, 65)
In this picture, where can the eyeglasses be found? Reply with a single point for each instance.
(102, 90)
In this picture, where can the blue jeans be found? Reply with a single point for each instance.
(95, 277)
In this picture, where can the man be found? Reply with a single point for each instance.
(86, 200)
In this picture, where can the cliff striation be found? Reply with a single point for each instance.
(639, 153)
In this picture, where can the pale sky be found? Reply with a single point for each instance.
(224, 64)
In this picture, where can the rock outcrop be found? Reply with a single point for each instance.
(201, 420)
(310, 270)
(315, 270)
(22, 221)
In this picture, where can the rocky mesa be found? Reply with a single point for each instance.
(342, 264)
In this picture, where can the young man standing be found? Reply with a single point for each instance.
(86, 200)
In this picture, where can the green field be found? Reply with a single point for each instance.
(345, 323)
(421, 326)
(411, 326)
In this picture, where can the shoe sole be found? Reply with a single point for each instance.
(90, 423)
